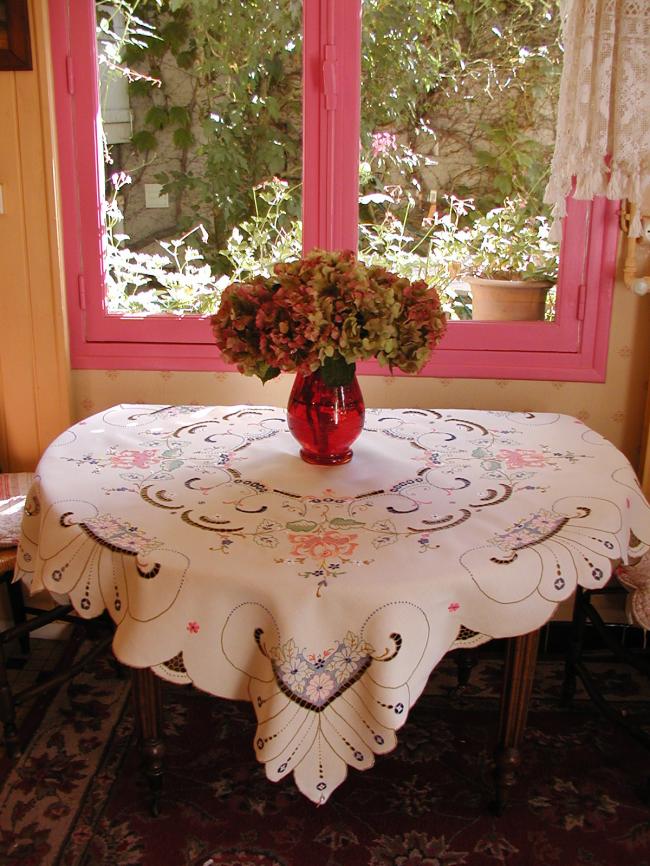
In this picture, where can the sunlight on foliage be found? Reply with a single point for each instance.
(470, 83)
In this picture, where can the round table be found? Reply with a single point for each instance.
(325, 595)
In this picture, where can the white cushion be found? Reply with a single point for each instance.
(13, 489)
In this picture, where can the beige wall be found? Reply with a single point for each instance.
(614, 408)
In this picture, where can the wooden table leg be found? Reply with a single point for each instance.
(147, 702)
(521, 657)
(578, 624)
(466, 660)
(8, 710)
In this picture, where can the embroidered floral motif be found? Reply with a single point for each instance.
(129, 459)
(110, 530)
(314, 680)
(530, 530)
(320, 688)
(322, 545)
(521, 457)
(193, 627)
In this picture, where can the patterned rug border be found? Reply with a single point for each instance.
(30, 781)
(89, 815)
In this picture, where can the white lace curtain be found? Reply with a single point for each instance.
(603, 128)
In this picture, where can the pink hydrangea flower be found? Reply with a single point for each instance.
(323, 306)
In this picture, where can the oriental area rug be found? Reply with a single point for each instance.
(76, 797)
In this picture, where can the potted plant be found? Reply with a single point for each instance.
(507, 260)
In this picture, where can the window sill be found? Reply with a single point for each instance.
(444, 364)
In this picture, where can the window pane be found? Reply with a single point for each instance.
(458, 121)
(201, 105)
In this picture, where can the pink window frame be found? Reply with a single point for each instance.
(574, 347)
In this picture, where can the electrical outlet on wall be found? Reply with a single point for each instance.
(153, 196)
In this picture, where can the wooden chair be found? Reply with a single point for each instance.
(611, 638)
(27, 618)
(13, 488)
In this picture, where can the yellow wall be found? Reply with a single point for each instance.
(34, 369)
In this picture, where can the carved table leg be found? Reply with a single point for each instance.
(147, 701)
(521, 656)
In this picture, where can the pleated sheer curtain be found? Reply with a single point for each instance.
(602, 143)
(603, 130)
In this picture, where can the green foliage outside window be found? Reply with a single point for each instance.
(469, 85)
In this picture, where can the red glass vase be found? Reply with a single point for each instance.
(325, 419)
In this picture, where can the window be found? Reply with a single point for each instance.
(573, 346)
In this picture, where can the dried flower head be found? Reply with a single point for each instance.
(327, 311)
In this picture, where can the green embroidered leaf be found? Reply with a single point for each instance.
(383, 540)
(491, 465)
(269, 526)
(170, 465)
(266, 540)
(345, 521)
(387, 534)
(384, 526)
(302, 525)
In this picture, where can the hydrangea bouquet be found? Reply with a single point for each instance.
(325, 312)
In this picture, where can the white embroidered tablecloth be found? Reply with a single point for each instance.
(324, 595)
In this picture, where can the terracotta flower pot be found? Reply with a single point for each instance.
(508, 300)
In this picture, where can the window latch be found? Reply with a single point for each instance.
(69, 75)
(81, 291)
(582, 302)
(329, 77)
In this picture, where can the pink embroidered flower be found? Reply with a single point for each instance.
(193, 627)
(130, 458)
(521, 457)
(323, 545)
(320, 688)
(453, 607)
